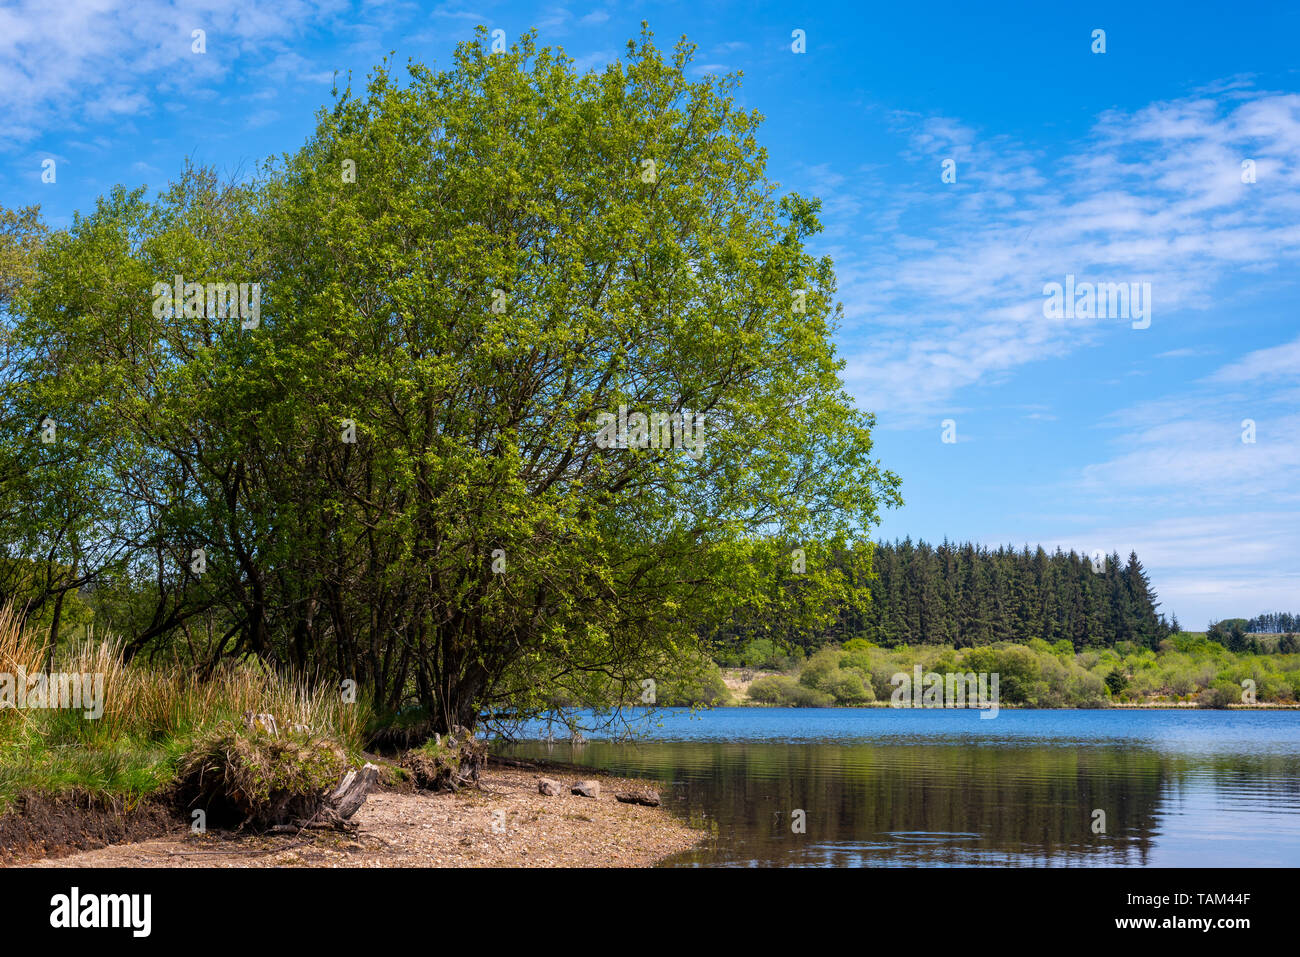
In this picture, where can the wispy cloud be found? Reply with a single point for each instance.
(1153, 195)
(554, 21)
(54, 58)
(1208, 480)
(1263, 365)
(455, 10)
(1209, 566)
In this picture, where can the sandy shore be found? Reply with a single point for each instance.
(506, 824)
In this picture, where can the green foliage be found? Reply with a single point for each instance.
(787, 692)
(697, 686)
(819, 669)
(847, 687)
(832, 671)
(475, 550)
(759, 653)
(1221, 694)
(1274, 622)
(1186, 669)
(22, 234)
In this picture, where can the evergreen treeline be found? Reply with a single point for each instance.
(1274, 623)
(967, 595)
(1237, 634)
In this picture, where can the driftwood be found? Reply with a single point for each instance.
(344, 802)
(352, 790)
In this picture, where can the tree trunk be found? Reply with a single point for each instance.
(352, 790)
(54, 632)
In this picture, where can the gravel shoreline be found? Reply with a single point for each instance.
(506, 824)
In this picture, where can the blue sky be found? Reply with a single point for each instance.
(1122, 166)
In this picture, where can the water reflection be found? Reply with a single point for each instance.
(1030, 800)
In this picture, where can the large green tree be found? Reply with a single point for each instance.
(42, 560)
(399, 474)
(525, 248)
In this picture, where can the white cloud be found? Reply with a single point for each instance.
(554, 22)
(55, 58)
(1263, 365)
(1153, 195)
(1215, 519)
(455, 10)
(261, 118)
(1236, 564)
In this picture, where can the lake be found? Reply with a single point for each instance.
(902, 787)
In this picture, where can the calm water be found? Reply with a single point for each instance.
(881, 786)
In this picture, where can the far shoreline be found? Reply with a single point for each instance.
(1114, 706)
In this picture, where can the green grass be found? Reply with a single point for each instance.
(153, 717)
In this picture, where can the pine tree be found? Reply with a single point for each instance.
(966, 595)
(1145, 626)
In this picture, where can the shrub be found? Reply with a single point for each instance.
(858, 658)
(820, 669)
(1017, 666)
(1220, 695)
(705, 689)
(847, 687)
(1085, 690)
(783, 690)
